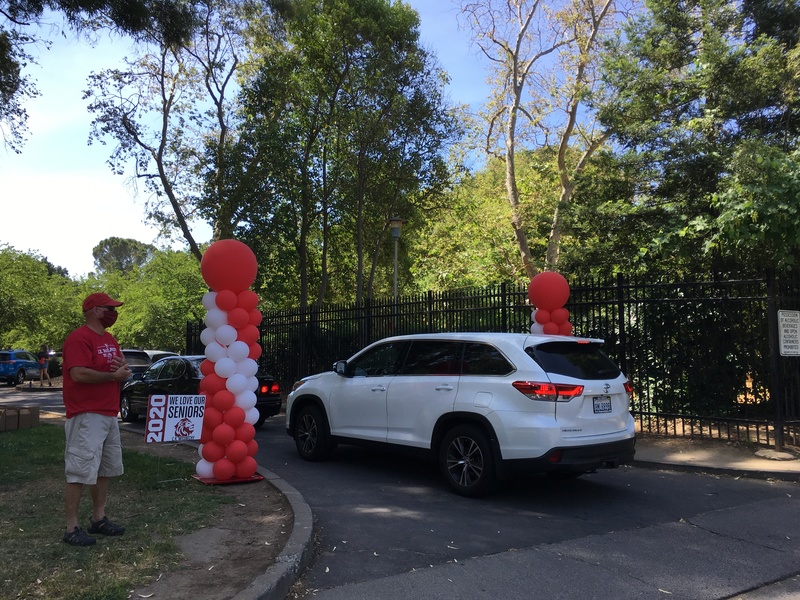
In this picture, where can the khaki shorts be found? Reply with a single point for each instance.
(93, 448)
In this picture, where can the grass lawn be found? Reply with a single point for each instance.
(156, 499)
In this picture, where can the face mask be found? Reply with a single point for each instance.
(108, 319)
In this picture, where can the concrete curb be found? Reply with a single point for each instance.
(727, 471)
(278, 579)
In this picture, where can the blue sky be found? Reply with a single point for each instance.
(60, 198)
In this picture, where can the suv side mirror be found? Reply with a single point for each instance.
(340, 367)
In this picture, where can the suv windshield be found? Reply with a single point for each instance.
(582, 361)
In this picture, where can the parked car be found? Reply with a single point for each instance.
(159, 354)
(484, 405)
(182, 375)
(18, 365)
(138, 360)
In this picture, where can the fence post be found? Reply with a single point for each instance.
(623, 349)
(775, 388)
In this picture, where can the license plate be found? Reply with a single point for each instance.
(601, 404)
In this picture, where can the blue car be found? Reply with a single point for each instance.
(18, 365)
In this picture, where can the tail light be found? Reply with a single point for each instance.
(549, 392)
(628, 388)
(273, 388)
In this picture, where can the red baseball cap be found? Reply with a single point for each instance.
(99, 299)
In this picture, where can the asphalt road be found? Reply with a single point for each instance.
(388, 528)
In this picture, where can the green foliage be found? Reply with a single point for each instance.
(121, 254)
(41, 306)
(35, 301)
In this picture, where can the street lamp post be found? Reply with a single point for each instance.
(395, 224)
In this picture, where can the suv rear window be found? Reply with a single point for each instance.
(5, 356)
(582, 361)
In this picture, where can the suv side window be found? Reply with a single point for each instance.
(433, 358)
(582, 361)
(483, 359)
(379, 361)
(172, 369)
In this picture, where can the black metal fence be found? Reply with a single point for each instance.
(703, 356)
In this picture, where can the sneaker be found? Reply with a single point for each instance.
(105, 527)
(78, 537)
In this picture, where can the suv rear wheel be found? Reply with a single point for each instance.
(312, 436)
(466, 461)
(20, 378)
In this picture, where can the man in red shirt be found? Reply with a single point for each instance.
(93, 370)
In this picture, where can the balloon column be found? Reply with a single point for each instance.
(227, 447)
(548, 292)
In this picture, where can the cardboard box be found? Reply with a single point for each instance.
(28, 417)
(9, 419)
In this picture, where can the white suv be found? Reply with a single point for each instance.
(484, 404)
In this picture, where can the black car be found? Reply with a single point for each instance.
(181, 375)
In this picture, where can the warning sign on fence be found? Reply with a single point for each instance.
(789, 332)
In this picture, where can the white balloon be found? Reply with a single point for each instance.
(238, 350)
(204, 468)
(200, 450)
(215, 351)
(225, 367)
(216, 318)
(245, 400)
(252, 383)
(236, 384)
(251, 416)
(207, 335)
(247, 367)
(210, 300)
(537, 328)
(226, 335)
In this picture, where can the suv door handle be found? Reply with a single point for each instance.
(378, 388)
(444, 387)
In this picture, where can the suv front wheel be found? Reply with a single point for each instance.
(312, 436)
(466, 461)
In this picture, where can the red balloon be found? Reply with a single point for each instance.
(234, 416)
(212, 418)
(565, 328)
(224, 469)
(245, 432)
(205, 434)
(229, 265)
(226, 299)
(255, 351)
(223, 400)
(248, 334)
(252, 448)
(255, 317)
(548, 290)
(559, 316)
(247, 300)
(212, 383)
(223, 434)
(236, 451)
(206, 368)
(247, 468)
(550, 328)
(542, 316)
(238, 318)
(212, 451)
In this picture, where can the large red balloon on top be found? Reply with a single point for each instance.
(229, 265)
(548, 290)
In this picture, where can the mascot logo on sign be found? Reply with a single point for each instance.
(184, 428)
(549, 292)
